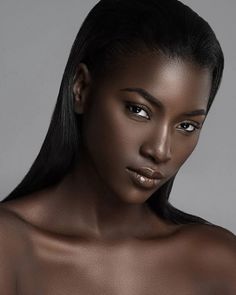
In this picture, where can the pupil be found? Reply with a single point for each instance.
(186, 125)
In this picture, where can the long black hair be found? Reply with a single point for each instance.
(111, 29)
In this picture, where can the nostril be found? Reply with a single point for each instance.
(161, 156)
(158, 155)
(158, 144)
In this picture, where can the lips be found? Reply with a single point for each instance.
(148, 172)
(142, 181)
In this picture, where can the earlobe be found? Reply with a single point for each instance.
(80, 88)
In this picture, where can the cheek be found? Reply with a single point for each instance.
(107, 137)
(183, 149)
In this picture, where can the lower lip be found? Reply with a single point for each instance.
(142, 181)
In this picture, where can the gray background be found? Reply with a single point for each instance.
(35, 39)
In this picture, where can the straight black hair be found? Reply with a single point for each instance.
(112, 29)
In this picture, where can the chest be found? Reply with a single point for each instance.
(90, 269)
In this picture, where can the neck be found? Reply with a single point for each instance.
(89, 207)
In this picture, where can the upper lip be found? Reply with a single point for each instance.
(148, 172)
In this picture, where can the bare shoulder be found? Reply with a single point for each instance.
(11, 250)
(11, 230)
(213, 237)
(215, 250)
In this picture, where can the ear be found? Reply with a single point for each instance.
(81, 87)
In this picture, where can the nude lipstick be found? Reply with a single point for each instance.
(142, 177)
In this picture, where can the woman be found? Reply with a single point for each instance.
(92, 215)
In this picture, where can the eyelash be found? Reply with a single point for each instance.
(137, 106)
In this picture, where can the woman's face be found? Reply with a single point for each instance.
(147, 112)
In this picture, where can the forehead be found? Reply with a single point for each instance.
(174, 81)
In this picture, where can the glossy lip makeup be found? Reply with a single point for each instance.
(143, 181)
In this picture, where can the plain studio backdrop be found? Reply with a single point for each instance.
(35, 40)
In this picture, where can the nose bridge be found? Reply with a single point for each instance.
(163, 143)
(159, 143)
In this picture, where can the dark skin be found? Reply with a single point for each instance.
(93, 233)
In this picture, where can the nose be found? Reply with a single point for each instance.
(158, 145)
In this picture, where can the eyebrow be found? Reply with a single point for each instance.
(158, 103)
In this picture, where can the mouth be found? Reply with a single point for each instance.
(144, 181)
(148, 172)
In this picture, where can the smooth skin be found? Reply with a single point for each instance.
(93, 233)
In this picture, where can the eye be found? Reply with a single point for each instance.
(189, 127)
(137, 109)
